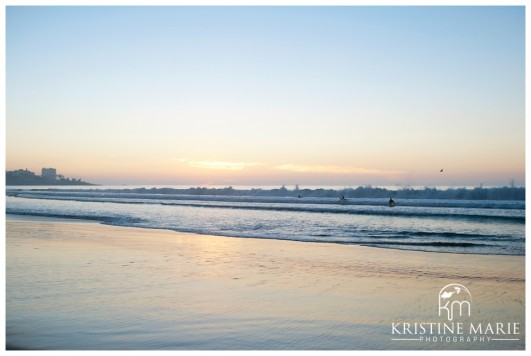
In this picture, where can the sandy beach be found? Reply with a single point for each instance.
(83, 285)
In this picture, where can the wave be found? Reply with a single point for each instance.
(111, 220)
(365, 208)
(425, 225)
(385, 237)
(435, 244)
(166, 195)
(380, 212)
(409, 240)
(473, 194)
(431, 235)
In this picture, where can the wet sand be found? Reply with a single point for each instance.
(83, 285)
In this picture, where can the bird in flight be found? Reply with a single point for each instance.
(442, 170)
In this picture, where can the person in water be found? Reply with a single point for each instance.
(391, 202)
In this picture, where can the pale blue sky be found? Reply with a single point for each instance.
(308, 95)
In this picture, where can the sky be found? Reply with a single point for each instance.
(314, 96)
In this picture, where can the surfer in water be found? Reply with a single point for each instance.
(342, 200)
(391, 202)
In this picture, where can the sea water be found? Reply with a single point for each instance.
(436, 225)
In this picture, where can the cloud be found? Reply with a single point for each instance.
(334, 169)
(232, 166)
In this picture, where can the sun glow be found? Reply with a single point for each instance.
(232, 166)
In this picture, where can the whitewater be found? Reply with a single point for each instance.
(481, 226)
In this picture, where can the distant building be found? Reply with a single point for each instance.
(48, 177)
(49, 173)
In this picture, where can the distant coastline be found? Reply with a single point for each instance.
(48, 176)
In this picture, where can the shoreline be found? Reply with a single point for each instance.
(29, 217)
(136, 288)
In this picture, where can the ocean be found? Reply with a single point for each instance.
(493, 227)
